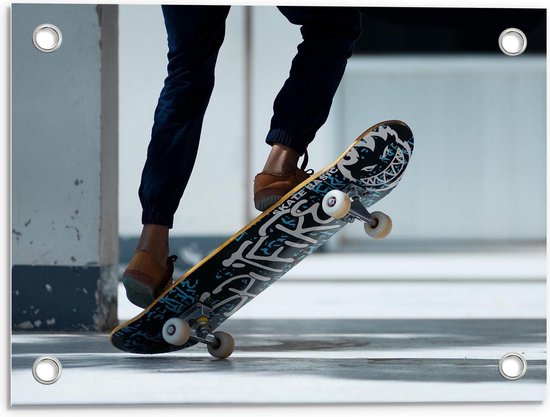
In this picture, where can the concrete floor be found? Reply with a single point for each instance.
(420, 340)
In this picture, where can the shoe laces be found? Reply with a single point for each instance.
(305, 161)
(304, 165)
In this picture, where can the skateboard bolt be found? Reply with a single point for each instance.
(331, 201)
(171, 330)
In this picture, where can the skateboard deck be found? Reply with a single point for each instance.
(273, 243)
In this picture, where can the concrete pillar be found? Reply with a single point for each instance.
(64, 170)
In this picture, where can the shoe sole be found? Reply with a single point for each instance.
(266, 202)
(136, 292)
(265, 198)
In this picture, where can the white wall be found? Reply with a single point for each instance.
(479, 166)
(64, 170)
(56, 144)
(214, 200)
(478, 171)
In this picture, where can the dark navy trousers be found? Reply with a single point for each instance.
(195, 35)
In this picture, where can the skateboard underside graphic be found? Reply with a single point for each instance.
(272, 244)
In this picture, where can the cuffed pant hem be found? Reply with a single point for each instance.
(282, 137)
(157, 217)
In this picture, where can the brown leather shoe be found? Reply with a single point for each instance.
(269, 187)
(145, 280)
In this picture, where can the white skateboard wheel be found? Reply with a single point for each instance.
(336, 204)
(176, 331)
(225, 346)
(383, 225)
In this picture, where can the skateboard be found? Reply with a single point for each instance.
(195, 305)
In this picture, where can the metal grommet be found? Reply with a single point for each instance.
(47, 37)
(47, 370)
(512, 42)
(512, 366)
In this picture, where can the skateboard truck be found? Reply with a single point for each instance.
(339, 204)
(360, 212)
(194, 325)
(202, 332)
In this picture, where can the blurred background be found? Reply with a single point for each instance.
(477, 179)
(476, 186)
(471, 207)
